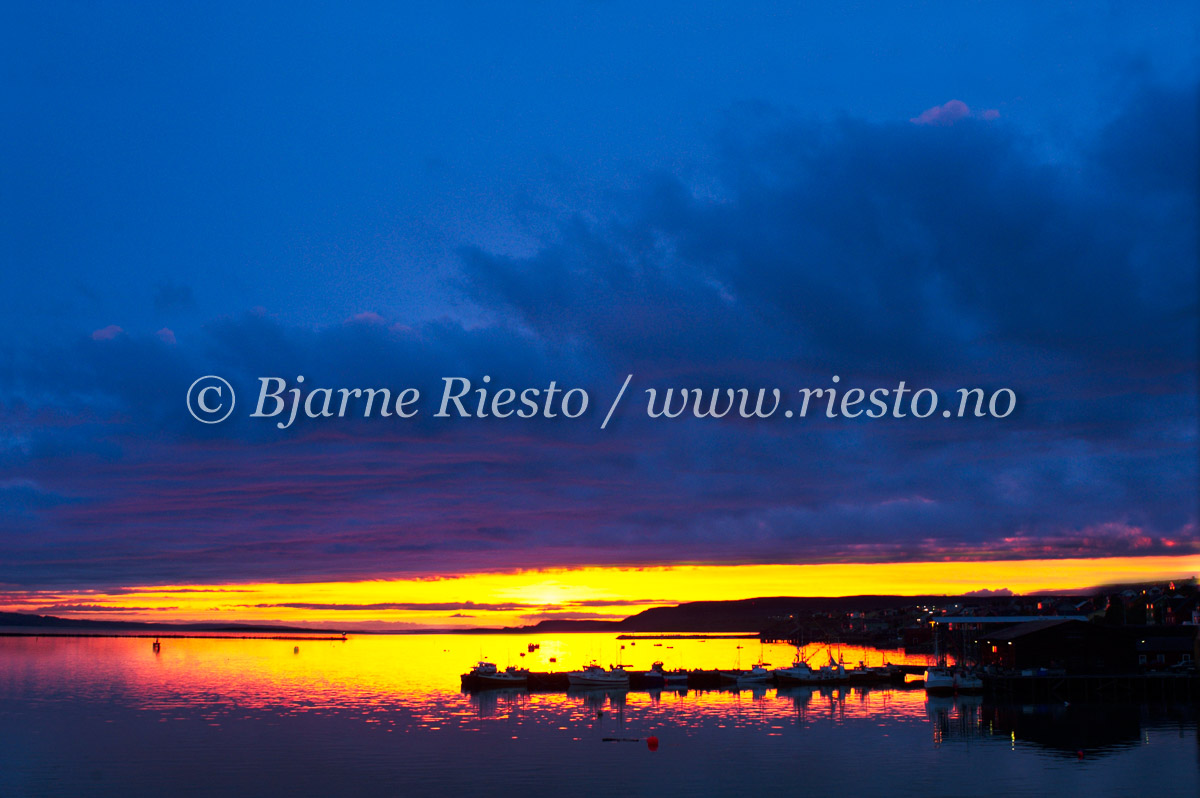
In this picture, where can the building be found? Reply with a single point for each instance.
(1071, 645)
(1161, 647)
(1081, 647)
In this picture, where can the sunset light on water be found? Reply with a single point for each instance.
(390, 704)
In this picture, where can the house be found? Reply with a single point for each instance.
(1162, 647)
(1179, 610)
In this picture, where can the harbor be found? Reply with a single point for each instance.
(1072, 655)
(395, 705)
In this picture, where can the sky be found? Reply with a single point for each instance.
(700, 195)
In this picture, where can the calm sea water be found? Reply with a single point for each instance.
(384, 715)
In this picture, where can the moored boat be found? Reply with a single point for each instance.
(798, 673)
(486, 674)
(939, 681)
(832, 673)
(967, 682)
(670, 679)
(802, 673)
(875, 674)
(757, 675)
(593, 675)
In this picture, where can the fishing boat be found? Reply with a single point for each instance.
(834, 671)
(802, 673)
(798, 673)
(670, 679)
(873, 674)
(757, 675)
(593, 675)
(486, 674)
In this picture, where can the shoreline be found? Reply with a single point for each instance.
(179, 636)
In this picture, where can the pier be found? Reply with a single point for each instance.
(547, 682)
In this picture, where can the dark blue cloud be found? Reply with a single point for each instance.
(961, 254)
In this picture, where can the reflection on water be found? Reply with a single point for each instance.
(382, 715)
(954, 717)
(1087, 729)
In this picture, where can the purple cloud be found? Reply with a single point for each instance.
(944, 115)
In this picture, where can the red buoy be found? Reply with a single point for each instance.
(652, 743)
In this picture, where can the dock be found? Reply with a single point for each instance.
(548, 682)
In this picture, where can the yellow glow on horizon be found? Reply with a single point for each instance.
(520, 598)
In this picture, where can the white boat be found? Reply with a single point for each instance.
(802, 673)
(798, 673)
(833, 673)
(939, 681)
(967, 682)
(594, 676)
(676, 679)
(486, 674)
(756, 675)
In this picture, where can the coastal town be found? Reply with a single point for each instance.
(1131, 641)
